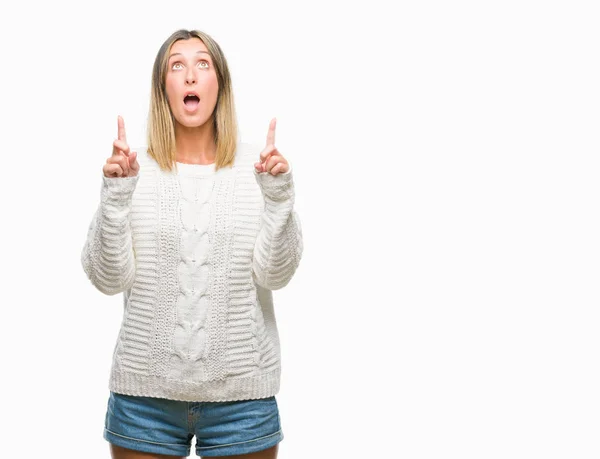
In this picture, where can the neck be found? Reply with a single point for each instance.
(195, 145)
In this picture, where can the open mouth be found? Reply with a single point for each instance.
(191, 101)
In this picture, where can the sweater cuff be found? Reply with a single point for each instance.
(278, 187)
(118, 188)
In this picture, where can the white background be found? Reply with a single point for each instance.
(446, 162)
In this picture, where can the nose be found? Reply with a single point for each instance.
(190, 77)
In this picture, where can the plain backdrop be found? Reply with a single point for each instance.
(446, 160)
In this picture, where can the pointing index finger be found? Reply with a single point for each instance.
(271, 134)
(121, 125)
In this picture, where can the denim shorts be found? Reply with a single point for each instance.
(160, 426)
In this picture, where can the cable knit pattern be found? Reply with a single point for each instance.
(196, 185)
(196, 254)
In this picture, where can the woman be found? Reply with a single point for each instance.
(195, 230)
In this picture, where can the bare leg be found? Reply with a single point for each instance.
(119, 452)
(270, 453)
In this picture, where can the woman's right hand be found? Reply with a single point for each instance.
(123, 162)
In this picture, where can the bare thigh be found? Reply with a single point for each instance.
(119, 452)
(270, 453)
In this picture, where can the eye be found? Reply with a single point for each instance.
(174, 66)
(203, 62)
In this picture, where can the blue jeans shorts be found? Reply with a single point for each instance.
(160, 426)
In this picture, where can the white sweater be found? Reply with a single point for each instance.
(196, 254)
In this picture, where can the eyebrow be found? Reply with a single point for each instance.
(179, 54)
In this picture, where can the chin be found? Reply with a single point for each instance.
(192, 121)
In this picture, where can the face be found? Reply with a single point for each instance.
(191, 83)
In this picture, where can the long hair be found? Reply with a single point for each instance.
(161, 124)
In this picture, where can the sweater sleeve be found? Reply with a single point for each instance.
(278, 247)
(108, 257)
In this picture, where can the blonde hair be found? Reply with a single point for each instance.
(161, 129)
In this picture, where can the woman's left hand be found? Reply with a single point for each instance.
(271, 160)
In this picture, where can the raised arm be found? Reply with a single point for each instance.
(278, 247)
(108, 257)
